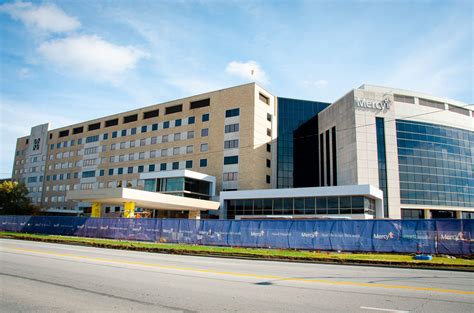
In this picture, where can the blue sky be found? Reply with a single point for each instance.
(67, 61)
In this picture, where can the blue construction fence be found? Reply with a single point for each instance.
(454, 237)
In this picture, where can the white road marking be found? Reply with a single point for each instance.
(381, 309)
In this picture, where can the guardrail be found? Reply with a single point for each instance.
(453, 237)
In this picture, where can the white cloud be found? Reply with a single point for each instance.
(250, 70)
(45, 17)
(91, 56)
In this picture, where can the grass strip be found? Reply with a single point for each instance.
(403, 260)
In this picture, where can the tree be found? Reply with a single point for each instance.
(14, 200)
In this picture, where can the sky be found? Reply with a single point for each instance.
(65, 62)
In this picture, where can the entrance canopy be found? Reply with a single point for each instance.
(143, 199)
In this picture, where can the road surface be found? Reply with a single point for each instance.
(43, 277)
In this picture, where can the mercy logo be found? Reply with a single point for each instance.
(456, 237)
(310, 235)
(257, 234)
(389, 236)
(383, 105)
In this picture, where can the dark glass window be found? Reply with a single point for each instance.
(154, 127)
(114, 134)
(268, 179)
(232, 112)
(382, 161)
(133, 131)
(101, 173)
(269, 163)
(151, 168)
(166, 124)
(130, 170)
(104, 137)
(177, 122)
(191, 120)
(231, 159)
(130, 118)
(163, 167)
(200, 103)
(140, 168)
(263, 98)
(175, 165)
(110, 123)
(205, 117)
(77, 130)
(120, 171)
(93, 126)
(87, 174)
(189, 163)
(63, 133)
(111, 171)
(151, 114)
(143, 129)
(124, 133)
(203, 163)
(174, 109)
(334, 156)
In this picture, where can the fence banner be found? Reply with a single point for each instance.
(443, 236)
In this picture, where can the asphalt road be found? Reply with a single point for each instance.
(43, 277)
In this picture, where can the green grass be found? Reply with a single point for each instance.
(315, 256)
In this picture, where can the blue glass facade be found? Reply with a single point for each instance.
(293, 113)
(436, 164)
(382, 161)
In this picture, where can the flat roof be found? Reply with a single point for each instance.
(142, 199)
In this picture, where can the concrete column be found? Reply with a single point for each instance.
(194, 215)
(96, 208)
(129, 209)
(426, 214)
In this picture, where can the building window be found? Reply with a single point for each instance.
(163, 167)
(140, 168)
(141, 155)
(142, 142)
(132, 143)
(114, 134)
(144, 129)
(111, 171)
(231, 128)
(112, 146)
(124, 133)
(232, 112)
(120, 171)
(177, 136)
(204, 147)
(164, 138)
(269, 163)
(189, 149)
(104, 137)
(205, 117)
(131, 156)
(151, 168)
(334, 156)
(200, 103)
(94, 126)
(87, 174)
(268, 179)
(130, 118)
(382, 160)
(177, 122)
(122, 145)
(174, 109)
(133, 131)
(204, 132)
(410, 214)
(176, 151)
(232, 176)
(203, 163)
(151, 114)
(269, 132)
(175, 165)
(189, 164)
(153, 140)
(269, 147)
(231, 144)
(164, 152)
(152, 153)
(154, 127)
(191, 134)
(269, 117)
(263, 98)
(92, 139)
(231, 160)
(166, 124)
(191, 120)
(110, 123)
(130, 170)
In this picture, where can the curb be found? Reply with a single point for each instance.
(388, 264)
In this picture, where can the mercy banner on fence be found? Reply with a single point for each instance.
(402, 236)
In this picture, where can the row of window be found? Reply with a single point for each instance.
(131, 131)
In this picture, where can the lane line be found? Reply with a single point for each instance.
(381, 309)
(236, 274)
